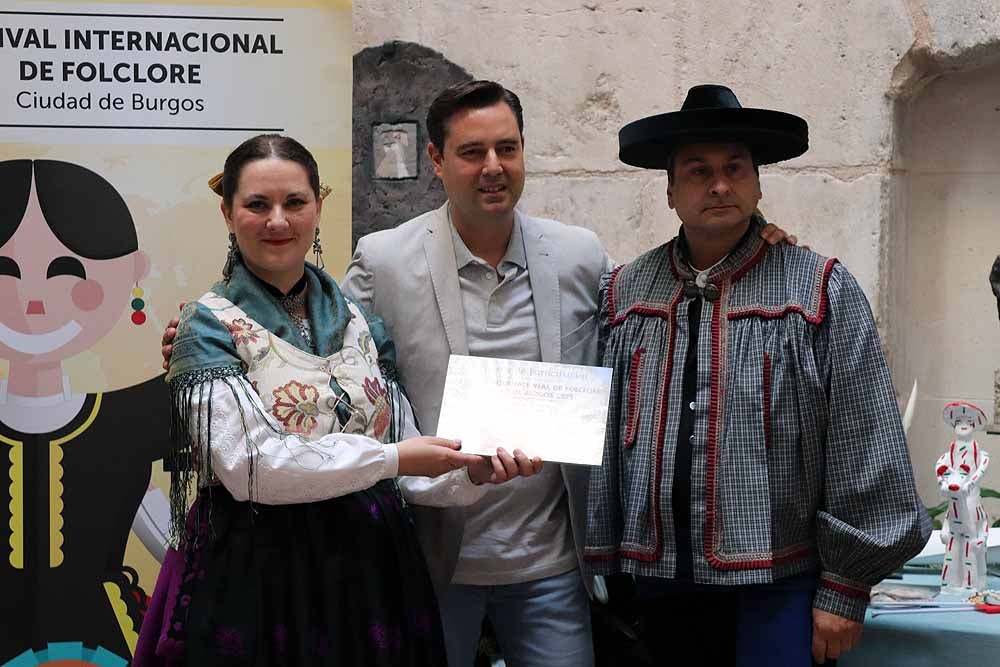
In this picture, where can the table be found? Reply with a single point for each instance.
(928, 640)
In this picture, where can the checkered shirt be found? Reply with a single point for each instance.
(799, 461)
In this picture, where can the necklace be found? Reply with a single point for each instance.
(700, 285)
(294, 304)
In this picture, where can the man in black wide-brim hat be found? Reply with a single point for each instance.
(756, 479)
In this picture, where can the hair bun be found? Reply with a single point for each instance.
(215, 183)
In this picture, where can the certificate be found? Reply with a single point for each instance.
(556, 412)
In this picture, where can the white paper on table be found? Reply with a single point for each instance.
(557, 412)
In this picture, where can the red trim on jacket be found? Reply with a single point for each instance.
(712, 535)
(611, 292)
(656, 310)
(858, 591)
(654, 510)
(710, 543)
(767, 401)
(812, 318)
(793, 553)
(635, 372)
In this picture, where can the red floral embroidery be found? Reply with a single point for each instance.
(295, 406)
(376, 394)
(241, 331)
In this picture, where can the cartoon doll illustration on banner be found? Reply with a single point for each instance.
(74, 467)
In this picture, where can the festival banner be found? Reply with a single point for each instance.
(113, 117)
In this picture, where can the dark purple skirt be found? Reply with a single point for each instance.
(337, 582)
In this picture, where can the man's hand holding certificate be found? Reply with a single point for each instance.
(556, 412)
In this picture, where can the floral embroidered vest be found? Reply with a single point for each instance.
(297, 388)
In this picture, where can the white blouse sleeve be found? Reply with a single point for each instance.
(256, 460)
(448, 490)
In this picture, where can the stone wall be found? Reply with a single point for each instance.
(394, 84)
(853, 69)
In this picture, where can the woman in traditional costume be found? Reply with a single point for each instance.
(298, 550)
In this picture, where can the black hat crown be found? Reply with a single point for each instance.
(711, 113)
(710, 96)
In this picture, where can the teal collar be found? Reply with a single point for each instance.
(326, 307)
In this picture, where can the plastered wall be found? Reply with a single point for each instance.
(946, 233)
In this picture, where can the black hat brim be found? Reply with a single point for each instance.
(772, 136)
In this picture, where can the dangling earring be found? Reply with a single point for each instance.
(138, 317)
(318, 251)
(234, 253)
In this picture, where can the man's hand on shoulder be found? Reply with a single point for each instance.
(167, 342)
(833, 635)
(774, 235)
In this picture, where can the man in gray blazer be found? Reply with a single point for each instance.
(478, 277)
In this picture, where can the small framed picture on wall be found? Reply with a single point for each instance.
(394, 150)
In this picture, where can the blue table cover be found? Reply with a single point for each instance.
(929, 640)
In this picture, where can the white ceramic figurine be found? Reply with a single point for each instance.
(966, 526)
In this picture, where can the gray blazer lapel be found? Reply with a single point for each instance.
(544, 288)
(440, 253)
